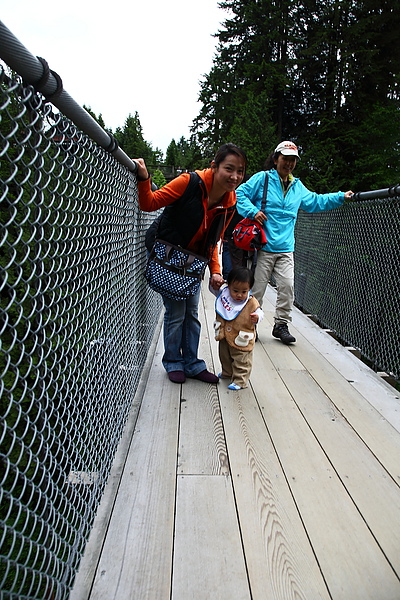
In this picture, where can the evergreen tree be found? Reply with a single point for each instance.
(211, 126)
(171, 157)
(243, 95)
(184, 155)
(99, 118)
(130, 138)
(158, 178)
(325, 75)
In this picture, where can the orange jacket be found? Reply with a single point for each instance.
(150, 201)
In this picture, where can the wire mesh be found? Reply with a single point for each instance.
(347, 274)
(77, 319)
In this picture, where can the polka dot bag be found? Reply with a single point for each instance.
(173, 271)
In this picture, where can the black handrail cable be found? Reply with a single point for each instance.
(36, 72)
(389, 192)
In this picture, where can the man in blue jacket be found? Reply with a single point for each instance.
(286, 195)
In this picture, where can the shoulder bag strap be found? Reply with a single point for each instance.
(264, 198)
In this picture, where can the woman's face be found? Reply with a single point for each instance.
(285, 165)
(229, 173)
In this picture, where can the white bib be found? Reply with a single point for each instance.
(228, 308)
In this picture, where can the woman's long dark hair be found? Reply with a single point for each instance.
(270, 161)
(227, 149)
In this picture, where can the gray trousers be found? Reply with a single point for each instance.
(281, 265)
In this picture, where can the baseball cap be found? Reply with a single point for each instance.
(287, 148)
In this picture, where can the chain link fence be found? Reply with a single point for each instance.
(347, 274)
(77, 320)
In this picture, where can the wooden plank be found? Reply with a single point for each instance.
(280, 560)
(136, 560)
(380, 436)
(382, 396)
(379, 393)
(208, 557)
(352, 562)
(376, 495)
(202, 448)
(207, 316)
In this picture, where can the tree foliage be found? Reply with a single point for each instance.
(184, 155)
(325, 74)
(130, 138)
(158, 178)
(171, 157)
(99, 119)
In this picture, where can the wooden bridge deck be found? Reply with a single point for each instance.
(289, 489)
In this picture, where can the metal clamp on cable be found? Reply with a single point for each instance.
(41, 84)
(394, 190)
(58, 89)
(113, 145)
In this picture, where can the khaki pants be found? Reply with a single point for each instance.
(281, 265)
(236, 364)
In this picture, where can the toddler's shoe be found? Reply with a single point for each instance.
(234, 386)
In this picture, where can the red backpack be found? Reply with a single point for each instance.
(248, 234)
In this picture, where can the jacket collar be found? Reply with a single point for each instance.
(274, 174)
(207, 176)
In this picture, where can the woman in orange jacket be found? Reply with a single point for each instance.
(196, 224)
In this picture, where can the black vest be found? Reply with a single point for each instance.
(180, 221)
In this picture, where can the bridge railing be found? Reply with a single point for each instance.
(347, 274)
(77, 321)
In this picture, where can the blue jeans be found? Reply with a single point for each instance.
(182, 335)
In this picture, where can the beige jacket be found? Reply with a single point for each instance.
(240, 332)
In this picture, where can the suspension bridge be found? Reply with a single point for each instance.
(117, 483)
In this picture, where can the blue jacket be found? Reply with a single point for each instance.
(281, 209)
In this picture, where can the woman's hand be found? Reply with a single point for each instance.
(260, 217)
(142, 172)
(216, 281)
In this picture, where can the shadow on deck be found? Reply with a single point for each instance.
(288, 489)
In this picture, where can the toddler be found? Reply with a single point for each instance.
(237, 313)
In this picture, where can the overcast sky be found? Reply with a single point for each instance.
(120, 57)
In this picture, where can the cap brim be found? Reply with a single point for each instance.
(289, 153)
